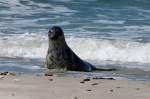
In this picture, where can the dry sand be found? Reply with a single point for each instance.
(56, 87)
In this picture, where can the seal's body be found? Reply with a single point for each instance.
(59, 55)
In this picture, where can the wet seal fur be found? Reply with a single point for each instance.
(60, 56)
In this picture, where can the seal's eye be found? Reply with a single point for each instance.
(51, 31)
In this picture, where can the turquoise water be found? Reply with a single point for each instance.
(107, 33)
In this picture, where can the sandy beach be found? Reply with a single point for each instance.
(60, 87)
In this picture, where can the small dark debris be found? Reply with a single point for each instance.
(50, 79)
(82, 82)
(4, 73)
(89, 90)
(94, 84)
(86, 79)
(118, 87)
(104, 78)
(111, 90)
(137, 88)
(48, 74)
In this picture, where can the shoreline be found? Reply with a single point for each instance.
(63, 87)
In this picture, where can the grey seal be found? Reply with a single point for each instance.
(60, 55)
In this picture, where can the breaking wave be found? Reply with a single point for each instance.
(35, 46)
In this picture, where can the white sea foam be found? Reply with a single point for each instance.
(35, 46)
(123, 51)
(109, 22)
(25, 45)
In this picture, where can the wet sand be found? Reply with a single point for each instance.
(62, 87)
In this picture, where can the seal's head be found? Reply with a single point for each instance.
(55, 33)
(56, 37)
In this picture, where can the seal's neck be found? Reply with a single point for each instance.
(58, 43)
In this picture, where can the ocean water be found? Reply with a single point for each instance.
(107, 33)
